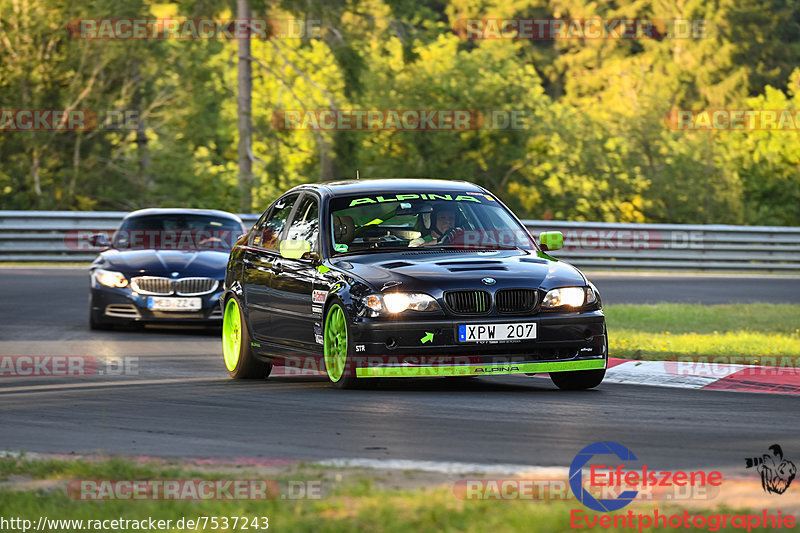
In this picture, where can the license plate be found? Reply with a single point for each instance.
(173, 304)
(517, 331)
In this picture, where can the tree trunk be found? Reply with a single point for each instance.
(244, 103)
(144, 153)
(37, 186)
(76, 164)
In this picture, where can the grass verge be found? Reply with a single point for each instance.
(352, 506)
(759, 332)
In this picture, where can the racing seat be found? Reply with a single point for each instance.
(344, 229)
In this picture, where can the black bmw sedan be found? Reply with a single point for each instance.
(406, 278)
(162, 266)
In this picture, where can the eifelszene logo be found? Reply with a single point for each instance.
(618, 480)
(776, 472)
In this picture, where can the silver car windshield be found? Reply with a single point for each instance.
(177, 232)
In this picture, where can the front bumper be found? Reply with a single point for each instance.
(122, 305)
(564, 342)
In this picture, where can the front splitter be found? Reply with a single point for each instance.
(412, 371)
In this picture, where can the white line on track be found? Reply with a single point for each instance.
(445, 467)
(65, 386)
(600, 274)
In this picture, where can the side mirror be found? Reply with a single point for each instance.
(99, 240)
(294, 249)
(551, 240)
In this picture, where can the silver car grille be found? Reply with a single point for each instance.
(157, 286)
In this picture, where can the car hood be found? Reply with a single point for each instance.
(434, 271)
(187, 263)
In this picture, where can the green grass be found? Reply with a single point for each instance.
(663, 331)
(352, 506)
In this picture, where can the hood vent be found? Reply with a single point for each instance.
(476, 269)
(396, 264)
(477, 262)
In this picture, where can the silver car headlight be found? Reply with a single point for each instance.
(397, 302)
(110, 278)
(569, 297)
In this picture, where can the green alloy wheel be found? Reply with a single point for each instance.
(337, 347)
(236, 351)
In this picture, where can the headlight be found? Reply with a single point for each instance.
(568, 296)
(109, 278)
(591, 296)
(397, 302)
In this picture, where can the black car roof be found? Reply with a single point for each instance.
(182, 211)
(394, 185)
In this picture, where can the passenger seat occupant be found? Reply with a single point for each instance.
(444, 219)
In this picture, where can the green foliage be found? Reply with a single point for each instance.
(590, 143)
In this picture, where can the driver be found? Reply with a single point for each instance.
(444, 219)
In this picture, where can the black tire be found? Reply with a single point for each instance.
(247, 365)
(94, 323)
(580, 379)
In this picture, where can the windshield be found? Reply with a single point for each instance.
(432, 220)
(178, 232)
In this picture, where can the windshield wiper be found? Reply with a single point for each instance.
(373, 250)
(483, 248)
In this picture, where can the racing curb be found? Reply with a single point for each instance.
(704, 375)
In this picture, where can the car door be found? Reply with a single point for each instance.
(293, 283)
(261, 261)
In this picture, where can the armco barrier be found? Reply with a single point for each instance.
(27, 236)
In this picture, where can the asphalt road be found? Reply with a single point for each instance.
(174, 397)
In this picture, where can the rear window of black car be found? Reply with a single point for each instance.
(178, 232)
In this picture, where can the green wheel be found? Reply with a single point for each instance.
(236, 351)
(337, 346)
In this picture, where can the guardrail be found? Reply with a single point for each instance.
(40, 236)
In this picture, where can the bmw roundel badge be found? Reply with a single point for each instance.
(489, 281)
